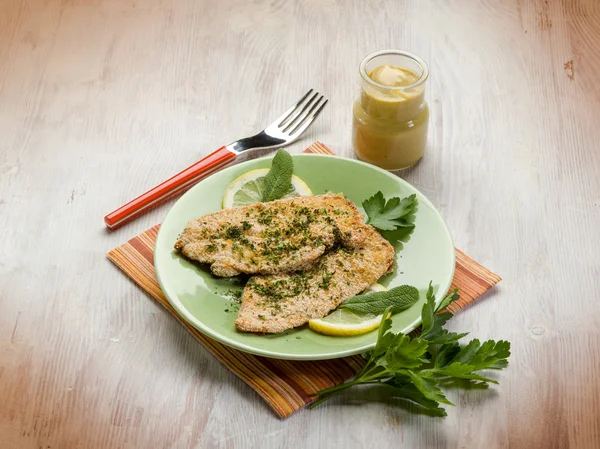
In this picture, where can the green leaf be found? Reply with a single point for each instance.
(428, 311)
(428, 387)
(278, 181)
(462, 371)
(374, 205)
(396, 213)
(433, 322)
(500, 364)
(405, 353)
(384, 336)
(489, 355)
(398, 298)
(446, 353)
(492, 355)
(443, 337)
(429, 294)
(452, 296)
(467, 352)
(439, 319)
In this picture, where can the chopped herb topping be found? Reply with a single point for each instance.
(326, 281)
(233, 232)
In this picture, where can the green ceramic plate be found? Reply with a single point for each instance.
(427, 254)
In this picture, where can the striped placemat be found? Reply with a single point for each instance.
(286, 385)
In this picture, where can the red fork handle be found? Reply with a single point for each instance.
(172, 186)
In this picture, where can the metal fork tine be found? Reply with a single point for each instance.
(278, 134)
(309, 119)
(310, 115)
(287, 113)
(300, 114)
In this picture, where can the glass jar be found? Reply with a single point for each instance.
(389, 128)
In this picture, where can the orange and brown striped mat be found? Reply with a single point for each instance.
(286, 385)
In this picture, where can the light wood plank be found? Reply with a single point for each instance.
(100, 100)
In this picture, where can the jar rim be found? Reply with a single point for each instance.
(417, 59)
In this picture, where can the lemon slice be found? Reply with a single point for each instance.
(248, 189)
(344, 323)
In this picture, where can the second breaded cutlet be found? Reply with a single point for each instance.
(272, 304)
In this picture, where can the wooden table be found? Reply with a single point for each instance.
(100, 100)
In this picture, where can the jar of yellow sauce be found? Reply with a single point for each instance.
(391, 116)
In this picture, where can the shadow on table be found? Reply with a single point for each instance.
(384, 395)
(474, 394)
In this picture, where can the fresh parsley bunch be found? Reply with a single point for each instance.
(415, 368)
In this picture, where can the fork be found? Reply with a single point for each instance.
(283, 131)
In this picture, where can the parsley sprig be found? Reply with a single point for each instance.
(415, 368)
(392, 214)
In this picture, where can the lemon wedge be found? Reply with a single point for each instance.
(248, 189)
(344, 323)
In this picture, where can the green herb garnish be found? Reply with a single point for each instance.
(398, 298)
(278, 182)
(326, 280)
(233, 232)
(414, 368)
(393, 214)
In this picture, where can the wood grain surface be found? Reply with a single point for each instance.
(102, 99)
